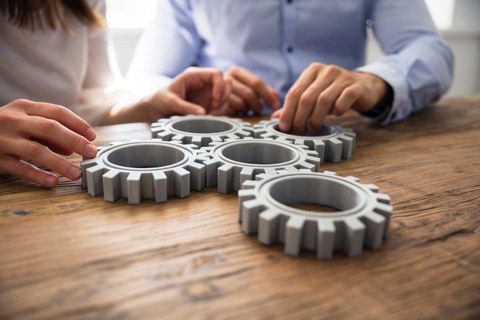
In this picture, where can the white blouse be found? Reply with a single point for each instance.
(76, 69)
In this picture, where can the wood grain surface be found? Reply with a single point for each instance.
(67, 255)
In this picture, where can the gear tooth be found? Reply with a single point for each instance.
(384, 210)
(383, 198)
(313, 153)
(249, 184)
(249, 215)
(197, 176)
(84, 166)
(375, 224)
(320, 147)
(112, 185)
(216, 139)
(225, 178)
(347, 146)
(163, 135)
(243, 133)
(334, 150)
(315, 161)
(371, 187)
(330, 173)
(352, 178)
(353, 237)
(270, 171)
(247, 173)
(309, 166)
(244, 195)
(291, 169)
(180, 138)
(182, 182)
(325, 239)
(134, 187)
(268, 227)
(94, 180)
(159, 186)
(261, 176)
(197, 140)
(231, 137)
(211, 172)
(293, 235)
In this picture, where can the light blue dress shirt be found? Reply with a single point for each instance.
(278, 39)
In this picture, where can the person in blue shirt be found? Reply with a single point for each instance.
(303, 58)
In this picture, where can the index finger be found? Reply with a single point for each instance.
(62, 115)
(268, 94)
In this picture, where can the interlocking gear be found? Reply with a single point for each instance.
(332, 143)
(200, 130)
(136, 170)
(228, 164)
(363, 216)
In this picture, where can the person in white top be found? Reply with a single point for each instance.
(58, 79)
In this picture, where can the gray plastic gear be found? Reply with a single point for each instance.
(151, 169)
(332, 143)
(363, 219)
(200, 130)
(228, 164)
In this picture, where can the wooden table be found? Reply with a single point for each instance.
(67, 255)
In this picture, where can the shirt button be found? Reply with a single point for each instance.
(290, 49)
(289, 1)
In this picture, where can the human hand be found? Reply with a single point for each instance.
(35, 133)
(194, 91)
(248, 92)
(323, 89)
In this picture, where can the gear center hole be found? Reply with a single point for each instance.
(203, 126)
(324, 131)
(315, 195)
(145, 156)
(259, 153)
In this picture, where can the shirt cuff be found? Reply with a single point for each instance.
(397, 81)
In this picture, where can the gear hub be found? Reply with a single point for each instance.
(333, 143)
(265, 207)
(228, 164)
(200, 130)
(137, 170)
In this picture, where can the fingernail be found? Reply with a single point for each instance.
(283, 126)
(200, 111)
(74, 173)
(90, 150)
(51, 181)
(90, 134)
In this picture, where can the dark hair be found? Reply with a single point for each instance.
(40, 13)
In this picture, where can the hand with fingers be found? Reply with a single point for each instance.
(194, 91)
(249, 92)
(36, 133)
(326, 89)
(198, 91)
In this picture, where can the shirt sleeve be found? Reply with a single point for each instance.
(418, 64)
(169, 45)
